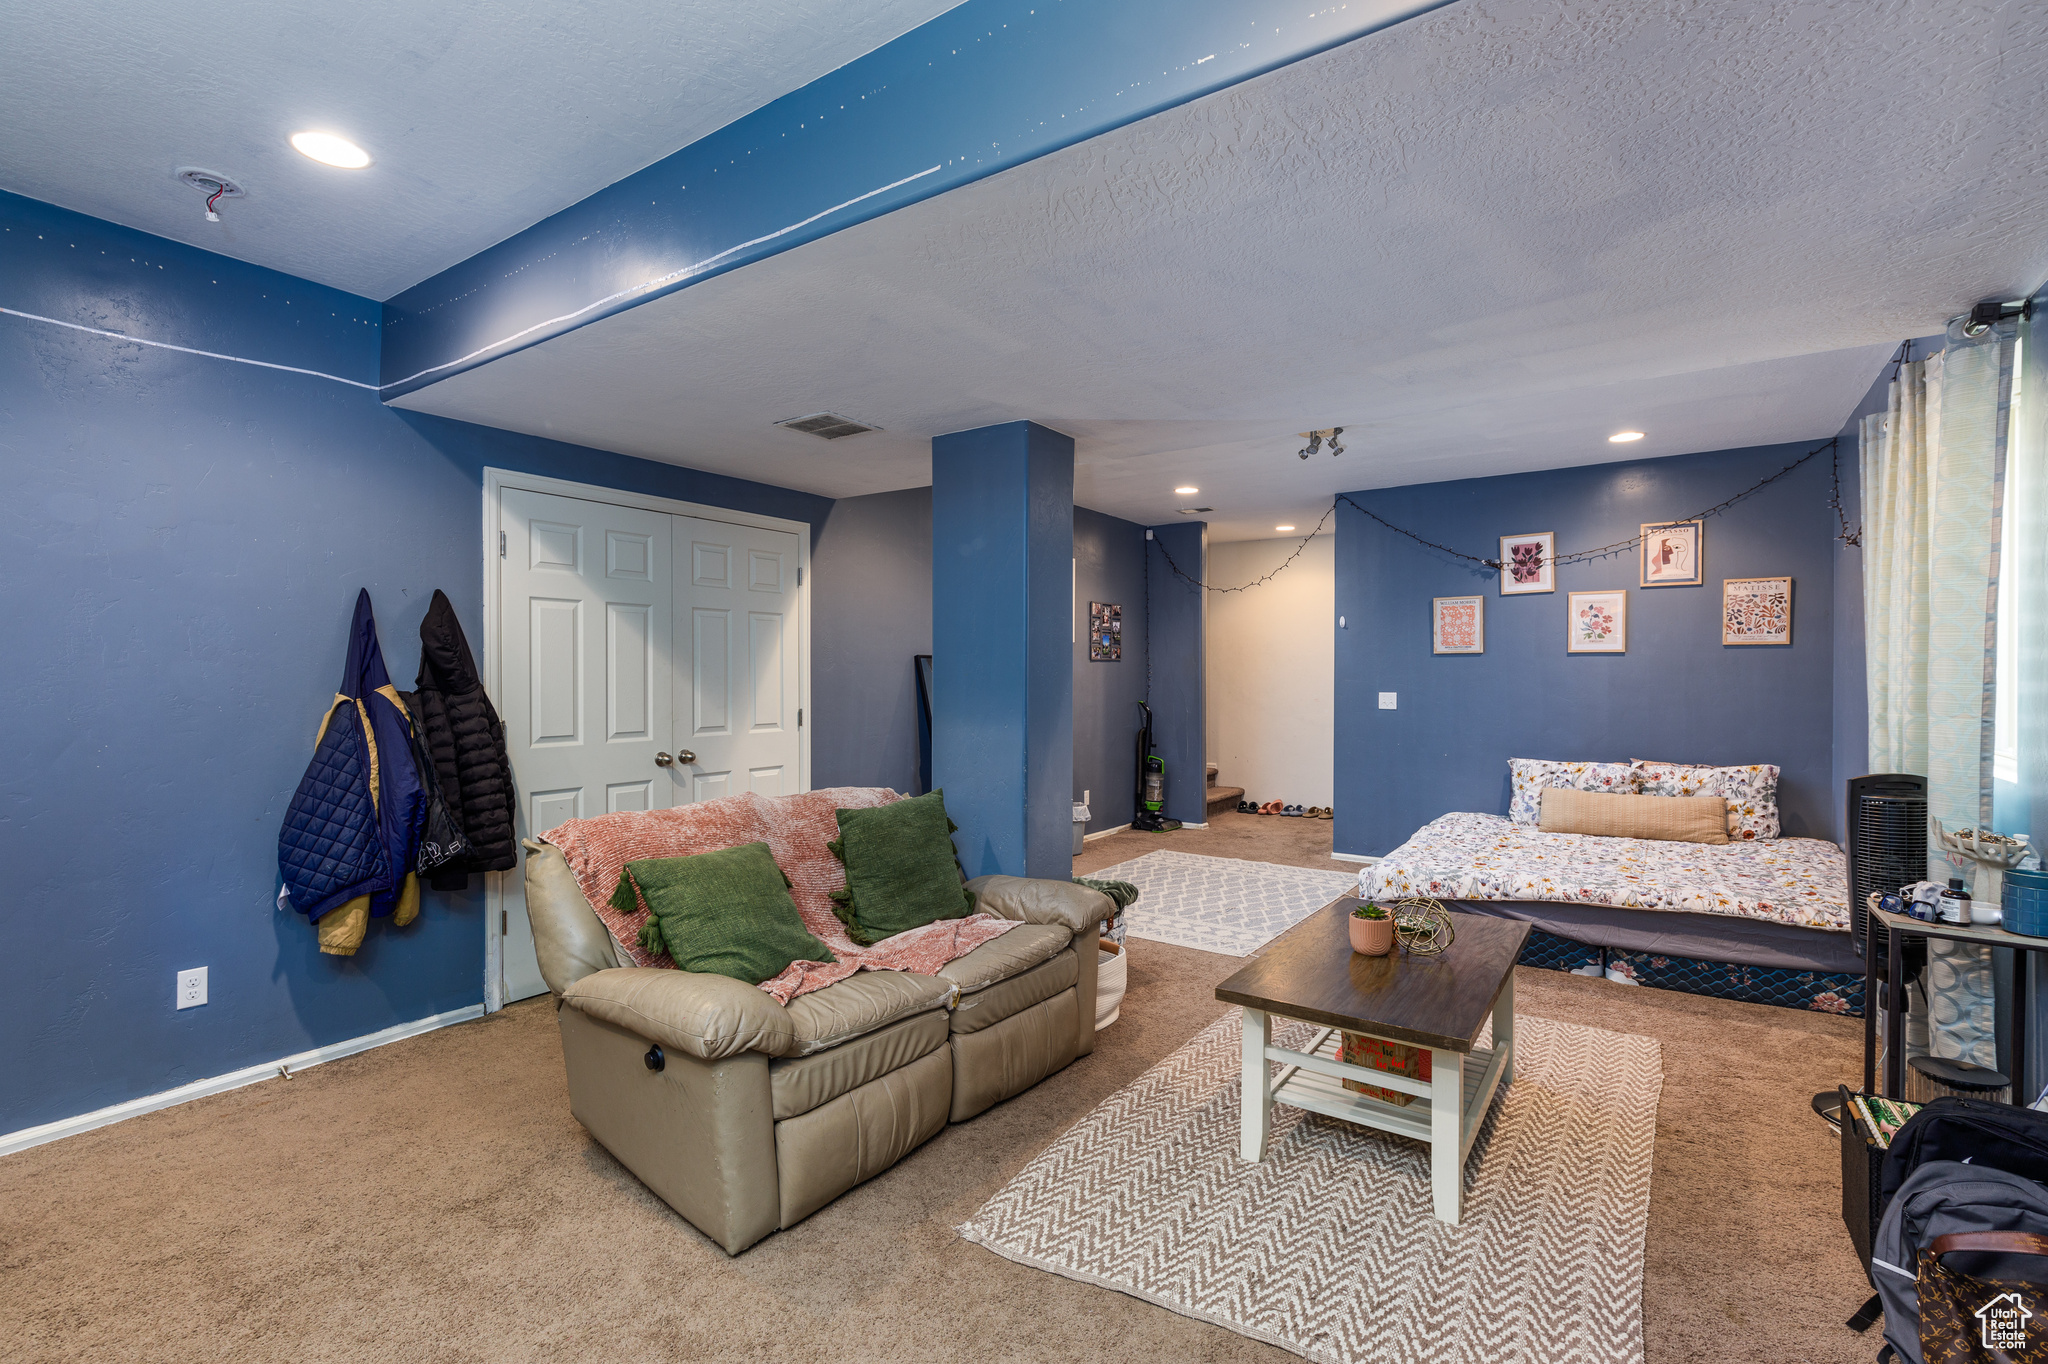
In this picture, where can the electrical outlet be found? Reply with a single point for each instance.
(1387, 700)
(192, 987)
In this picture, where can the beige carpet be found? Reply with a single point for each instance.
(434, 1201)
(1328, 1246)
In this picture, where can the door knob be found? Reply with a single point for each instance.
(684, 756)
(662, 760)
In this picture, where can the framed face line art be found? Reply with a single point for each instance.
(1528, 563)
(1673, 554)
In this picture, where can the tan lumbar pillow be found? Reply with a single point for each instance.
(1672, 819)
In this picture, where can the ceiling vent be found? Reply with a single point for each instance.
(1195, 511)
(828, 426)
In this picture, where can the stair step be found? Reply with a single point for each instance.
(1225, 797)
(1212, 771)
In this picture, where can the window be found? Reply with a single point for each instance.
(2005, 742)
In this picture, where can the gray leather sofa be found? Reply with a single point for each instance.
(746, 1116)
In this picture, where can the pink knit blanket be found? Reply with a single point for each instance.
(796, 829)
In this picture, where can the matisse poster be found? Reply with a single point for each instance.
(1756, 611)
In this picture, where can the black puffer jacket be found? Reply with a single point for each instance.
(468, 743)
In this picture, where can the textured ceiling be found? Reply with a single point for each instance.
(483, 116)
(1480, 241)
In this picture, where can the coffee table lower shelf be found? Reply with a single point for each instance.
(1445, 1114)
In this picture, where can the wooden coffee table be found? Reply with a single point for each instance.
(1439, 1003)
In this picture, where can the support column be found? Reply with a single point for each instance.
(1177, 627)
(1002, 653)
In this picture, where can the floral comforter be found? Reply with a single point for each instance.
(1798, 881)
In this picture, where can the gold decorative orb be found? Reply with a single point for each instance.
(1423, 926)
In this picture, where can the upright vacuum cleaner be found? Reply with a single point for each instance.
(1151, 794)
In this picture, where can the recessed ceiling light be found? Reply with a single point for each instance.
(1186, 492)
(1283, 528)
(1624, 437)
(330, 150)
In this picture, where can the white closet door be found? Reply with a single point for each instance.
(585, 606)
(737, 653)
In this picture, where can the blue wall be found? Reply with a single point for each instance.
(1002, 677)
(182, 546)
(1109, 555)
(1178, 617)
(1678, 694)
(871, 612)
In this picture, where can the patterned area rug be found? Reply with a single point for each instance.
(1222, 904)
(1327, 1247)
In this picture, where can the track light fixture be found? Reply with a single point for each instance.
(1317, 438)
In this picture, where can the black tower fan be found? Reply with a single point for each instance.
(1887, 828)
(1887, 824)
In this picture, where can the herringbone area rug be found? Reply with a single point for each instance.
(1327, 1247)
(1222, 904)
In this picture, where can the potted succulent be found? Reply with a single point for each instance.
(1372, 930)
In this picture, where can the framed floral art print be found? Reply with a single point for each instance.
(1671, 554)
(1527, 563)
(1458, 625)
(1756, 610)
(1597, 622)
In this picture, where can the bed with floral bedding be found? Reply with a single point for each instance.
(1765, 921)
(1800, 882)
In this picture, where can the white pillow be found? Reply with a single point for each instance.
(1530, 776)
(1751, 793)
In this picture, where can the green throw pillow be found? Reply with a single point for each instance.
(901, 872)
(726, 912)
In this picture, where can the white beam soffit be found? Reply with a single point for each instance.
(1480, 241)
(985, 86)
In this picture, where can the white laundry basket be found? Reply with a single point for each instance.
(1112, 978)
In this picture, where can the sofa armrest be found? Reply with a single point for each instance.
(708, 1016)
(569, 940)
(1038, 901)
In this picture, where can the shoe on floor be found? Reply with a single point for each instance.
(1292, 812)
(1271, 807)
(1245, 807)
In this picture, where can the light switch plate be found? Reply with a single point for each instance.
(1387, 700)
(192, 988)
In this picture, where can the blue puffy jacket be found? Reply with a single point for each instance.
(351, 833)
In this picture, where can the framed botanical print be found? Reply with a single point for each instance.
(1526, 563)
(1458, 625)
(1597, 622)
(1756, 610)
(1672, 554)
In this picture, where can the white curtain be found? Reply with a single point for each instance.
(1933, 471)
(2024, 801)
(1896, 450)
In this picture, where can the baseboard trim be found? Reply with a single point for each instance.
(220, 1084)
(1352, 857)
(1105, 833)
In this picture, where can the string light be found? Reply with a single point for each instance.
(1835, 500)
